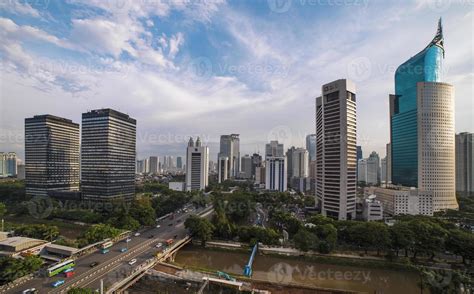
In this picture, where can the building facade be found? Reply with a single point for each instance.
(230, 148)
(8, 164)
(373, 169)
(399, 200)
(246, 167)
(336, 153)
(51, 155)
(311, 146)
(465, 163)
(275, 173)
(108, 151)
(197, 166)
(153, 163)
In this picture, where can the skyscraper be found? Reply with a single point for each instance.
(465, 163)
(359, 157)
(336, 149)
(246, 163)
(179, 162)
(256, 162)
(311, 146)
(51, 155)
(108, 155)
(373, 168)
(153, 161)
(230, 148)
(197, 166)
(8, 164)
(275, 167)
(422, 126)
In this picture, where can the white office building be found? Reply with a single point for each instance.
(398, 200)
(336, 157)
(197, 166)
(372, 209)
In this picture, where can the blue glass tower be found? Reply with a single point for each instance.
(426, 66)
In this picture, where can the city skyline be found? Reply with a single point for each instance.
(67, 80)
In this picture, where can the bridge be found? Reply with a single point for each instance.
(141, 270)
(248, 266)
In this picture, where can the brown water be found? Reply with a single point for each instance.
(286, 270)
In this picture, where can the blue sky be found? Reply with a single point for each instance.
(212, 67)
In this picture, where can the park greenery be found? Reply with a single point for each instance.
(13, 268)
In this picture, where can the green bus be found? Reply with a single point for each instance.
(60, 267)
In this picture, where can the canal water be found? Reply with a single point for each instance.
(285, 270)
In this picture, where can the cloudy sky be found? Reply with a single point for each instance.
(212, 67)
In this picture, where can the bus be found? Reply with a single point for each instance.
(106, 245)
(60, 267)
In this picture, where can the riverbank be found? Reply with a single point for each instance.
(337, 273)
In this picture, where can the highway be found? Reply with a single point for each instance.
(113, 266)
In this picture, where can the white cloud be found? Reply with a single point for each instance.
(175, 42)
(17, 7)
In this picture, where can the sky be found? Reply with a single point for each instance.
(211, 67)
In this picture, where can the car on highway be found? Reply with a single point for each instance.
(169, 225)
(151, 236)
(30, 291)
(57, 283)
(94, 264)
(158, 226)
(132, 262)
(128, 240)
(123, 249)
(159, 245)
(137, 234)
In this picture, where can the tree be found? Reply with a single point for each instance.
(223, 228)
(3, 209)
(402, 237)
(38, 231)
(305, 240)
(327, 234)
(99, 232)
(201, 228)
(429, 237)
(13, 268)
(461, 243)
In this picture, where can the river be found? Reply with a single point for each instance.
(287, 270)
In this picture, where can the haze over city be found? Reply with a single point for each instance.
(224, 67)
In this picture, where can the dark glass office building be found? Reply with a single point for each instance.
(426, 66)
(108, 151)
(51, 155)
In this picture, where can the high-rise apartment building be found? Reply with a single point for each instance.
(422, 126)
(51, 155)
(197, 166)
(108, 151)
(275, 167)
(336, 152)
(465, 163)
(230, 148)
(311, 146)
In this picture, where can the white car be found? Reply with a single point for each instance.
(29, 291)
(158, 226)
(128, 240)
(159, 245)
(132, 262)
(137, 234)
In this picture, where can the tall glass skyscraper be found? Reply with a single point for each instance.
(426, 66)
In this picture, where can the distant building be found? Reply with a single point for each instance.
(298, 165)
(359, 157)
(108, 152)
(362, 170)
(246, 167)
(222, 169)
(8, 164)
(398, 200)
(153, 161)
(336, 154)
(177, 186)
(389, 163)
(311, 146)
(197, 166)
(179, 162)
(275, 167)
(373, 169)
(465, 163)
(256, 162)
(260, 176)
(51, 155)
(383, 170)
(372, 209)
(21, 172)
(230, 148)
